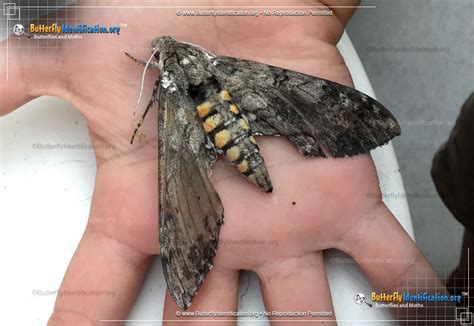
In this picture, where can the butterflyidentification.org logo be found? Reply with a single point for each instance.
(61, 30)
(18, 29)
(411, 300)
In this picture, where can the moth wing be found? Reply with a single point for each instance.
(190, 210)
(311, 112)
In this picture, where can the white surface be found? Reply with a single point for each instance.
(46, 196)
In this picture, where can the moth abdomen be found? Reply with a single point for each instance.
(231, 135)
(250, 163)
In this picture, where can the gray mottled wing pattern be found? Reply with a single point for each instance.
(311, 112)
(190, 209)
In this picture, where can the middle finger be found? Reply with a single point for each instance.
(297, 284)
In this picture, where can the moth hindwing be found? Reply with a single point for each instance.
(211, 104)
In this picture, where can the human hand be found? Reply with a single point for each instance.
(331, 210)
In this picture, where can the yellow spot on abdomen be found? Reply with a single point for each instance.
(243, 124)
(253, 140)
(225, 95)
(203, 109)
(234, 109)
(222, 138)
(211, 123)
(243, 166)
(233, 153)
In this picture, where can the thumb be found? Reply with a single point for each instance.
(28, 68)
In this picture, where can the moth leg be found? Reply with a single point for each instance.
(152, 64)
(211, 150)
(153, 99)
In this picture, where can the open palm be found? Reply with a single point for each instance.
(316, 203)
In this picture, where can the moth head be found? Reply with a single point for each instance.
(161, 44)
(162, 47)
(191, 59)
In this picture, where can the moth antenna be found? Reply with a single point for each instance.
(143, 81)
(137, 61)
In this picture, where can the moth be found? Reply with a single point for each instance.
(210, 105)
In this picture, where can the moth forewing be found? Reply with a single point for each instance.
(190, 209)
(310, 111)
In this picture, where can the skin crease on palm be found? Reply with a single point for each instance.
(331, 210)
